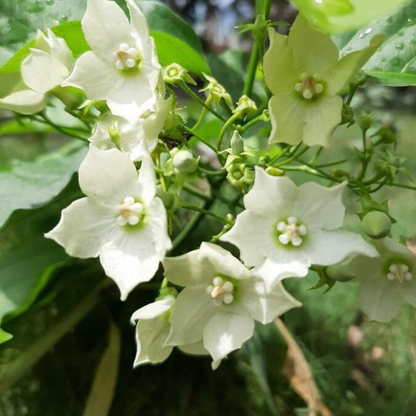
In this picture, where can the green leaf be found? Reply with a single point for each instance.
(175, 39)
(394, 63)
(71, 32)
(4, 336)
(27, 185)
(338, 16)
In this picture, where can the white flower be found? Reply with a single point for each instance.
(116, 132)
(122, 67)
(121, 220)
(286, 229)
(47, 66)
(152, 330)
(387, 281)
(220, 301)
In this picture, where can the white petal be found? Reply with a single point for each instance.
(157, 224)
(273, 272)
(408, 289)
(189, 269)
(319, 206)
(197, 348)
(264, 306)
(105, 26)
(24, 102)
(223, 261)
(151, 336)
(131, 261)
(192, 311)
(153, 310)
(42, 72)
(99, 79)
(226, 333)
(138, 21)
(58, 49)
(101, 136)
(147, 176)
(97, 175)
(330, 247)
(253, 235)
(379, 299)
(84, 227)
(270, 195)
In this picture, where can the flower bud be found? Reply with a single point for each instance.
(365, 121)
(385, 136)
(167, 199)
(173, 127)
(175, 74)
(275, 171)
(341, 272)
(376, 224)
(245, 105)
(217, 92)
(347, 115)
(237, 143)
(183, 160)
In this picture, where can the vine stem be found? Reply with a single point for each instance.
(201, 139)
(229, 123)
(205, 212)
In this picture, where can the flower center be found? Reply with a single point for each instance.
(221, 291)
(399, 272)
(291, 232)
(129, 212)
(126, 57)
(309, 86)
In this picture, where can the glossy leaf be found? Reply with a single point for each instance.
(26, 185)
(175, 39)
(338, 16)
(394, 63)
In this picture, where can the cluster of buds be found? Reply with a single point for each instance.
(238, 174)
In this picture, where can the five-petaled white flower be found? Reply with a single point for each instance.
(152, 330)
(220, 301)
(387, 281)
(116, 132)
(122, 67)
(121, 220)
(47, 66)
(286, 229)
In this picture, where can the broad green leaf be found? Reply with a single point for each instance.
(71, 32)
(338, 16)
(27, 259)
(175, 39)
(27, 185)
(394, 63)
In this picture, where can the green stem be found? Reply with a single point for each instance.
(366, 158)
(173, 95)
(292, 158)
(195, 97)
(316, 155)
(196, 192)
(203, 113)
(252, 68)
(252, 122)
(189, 227)
(201, 139)
(205, 212)
(325, 165)
(61, 129)
(228, 123)
(399, 185)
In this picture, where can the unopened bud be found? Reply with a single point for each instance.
(237, 143)
(385, 136)
(175, 74)
(184, 161)
(275, 171)
(245, 105)
(173, 127)
(376, 224)
(365, 121)
(341, 272)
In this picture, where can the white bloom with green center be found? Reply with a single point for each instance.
(122, 67)
(304, 74)
(220, 301)
(152, 330)
(121, 220)
(285, 229)
(387, 281)
(115, 132)
(47, 66)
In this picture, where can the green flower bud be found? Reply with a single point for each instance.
(275, 171)
(173, 127)
(347, 115)
(167, 292)
(217, 92)
(376, 224)
(184, 161)
(341, 272)
(175, 74)
(385, 136)
(167, 199)
(245, 105)
(237, 143)
(365, 121)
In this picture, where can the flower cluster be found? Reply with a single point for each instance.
(139, 163)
